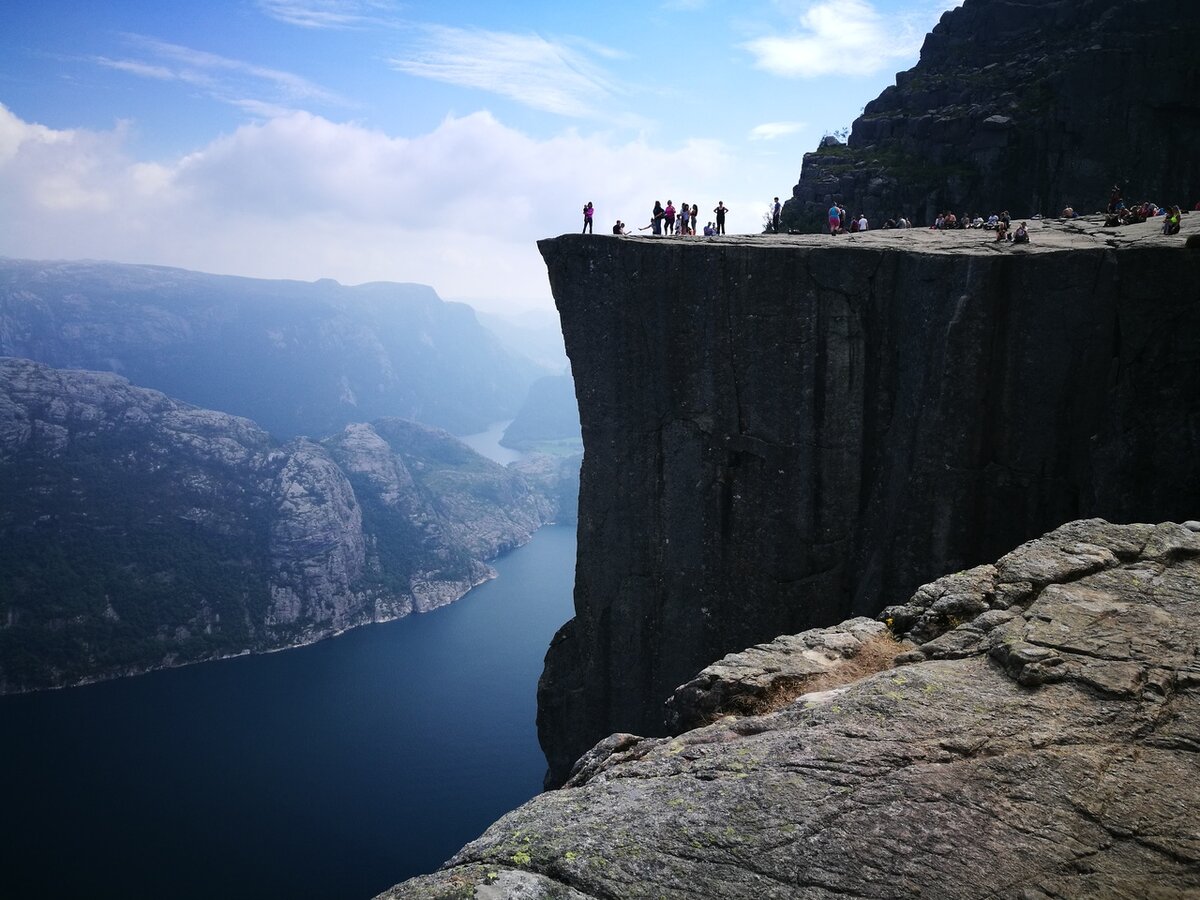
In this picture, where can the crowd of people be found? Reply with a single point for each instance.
(684, 219)
(1118, 213)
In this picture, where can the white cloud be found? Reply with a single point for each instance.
(299, 196)
(768, 131)
(553, 76)
(259, 90)
(843, 37)
(335, 14)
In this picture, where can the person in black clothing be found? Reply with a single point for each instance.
(775, 211)
(720, 211)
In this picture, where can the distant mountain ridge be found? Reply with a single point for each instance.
(297, 357)
(138, 532)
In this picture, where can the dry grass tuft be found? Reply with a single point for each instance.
(875, 655)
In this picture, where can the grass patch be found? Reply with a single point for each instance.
(875, 655)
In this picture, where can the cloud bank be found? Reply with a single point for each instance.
(300, 196)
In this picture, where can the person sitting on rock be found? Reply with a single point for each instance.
(1022, 235)
(939, 223)
(709, 231)
(993, 221)
(1171, 221)
(1067, 213)
(1002, 231)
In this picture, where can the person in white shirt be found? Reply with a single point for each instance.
(862, 223)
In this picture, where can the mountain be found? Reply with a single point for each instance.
(1029, 107)
(548, 417)
(869, 413)
(137, 531)
(533, 334)
(1040, 745)
(296, 357)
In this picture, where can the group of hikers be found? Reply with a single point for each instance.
(1118, 213)
(669, 219)
(682, 220)
(839, 223)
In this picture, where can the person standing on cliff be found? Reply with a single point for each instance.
(775, 212)
(656, 217)
(835, 219)
(669, 217)
(1114, 199)
(588, 211)
(720, 211)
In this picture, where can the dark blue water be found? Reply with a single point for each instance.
(329, 771)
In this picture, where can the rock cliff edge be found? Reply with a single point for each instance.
(784, 431)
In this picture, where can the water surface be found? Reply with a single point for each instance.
(329, 771)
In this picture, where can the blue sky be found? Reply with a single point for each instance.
(409, 141)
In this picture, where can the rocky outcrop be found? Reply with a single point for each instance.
(1040, 743)
(137, 531)
(298, 358)
(1023, 106)
(784, 431)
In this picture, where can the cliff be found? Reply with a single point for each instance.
(784, 431)
(138, 532)
(1038, 742)
(1023, 106)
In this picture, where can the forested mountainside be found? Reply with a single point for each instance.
(138, 531)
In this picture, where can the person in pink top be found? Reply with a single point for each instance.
(669, 217)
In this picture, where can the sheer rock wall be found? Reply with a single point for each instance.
(781, 432)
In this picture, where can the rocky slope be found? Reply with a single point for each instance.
(298, 358)
(784, 431)
(137, 531)
(1040, 742)
(1024, 106)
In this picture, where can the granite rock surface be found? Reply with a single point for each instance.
(959, 774)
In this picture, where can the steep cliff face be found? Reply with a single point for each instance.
(1028, 107)
(1040, 746)
(781, 432)
(137, 531)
